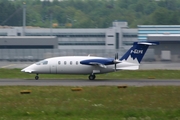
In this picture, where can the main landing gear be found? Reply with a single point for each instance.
(92, 77)
(36, 77)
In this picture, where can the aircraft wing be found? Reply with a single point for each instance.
(98, 64)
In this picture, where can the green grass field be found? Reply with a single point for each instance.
(92, 103)
(137, 74)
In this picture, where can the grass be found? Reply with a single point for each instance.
(138, 74)
(93, 103)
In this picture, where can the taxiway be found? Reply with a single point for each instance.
(144, 82)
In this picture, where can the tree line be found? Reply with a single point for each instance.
(89, 13)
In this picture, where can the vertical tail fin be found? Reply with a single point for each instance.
(137, 51)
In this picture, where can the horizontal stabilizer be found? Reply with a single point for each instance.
(148, 43)
(129, 68)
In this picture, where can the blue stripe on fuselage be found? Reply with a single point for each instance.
(108, 61)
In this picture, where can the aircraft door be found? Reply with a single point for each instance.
(53, 69)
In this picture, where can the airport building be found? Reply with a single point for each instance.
(114, 37)
(18, 43)
(167, 35)
(95, 41)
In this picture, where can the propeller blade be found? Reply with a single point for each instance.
(116, 56)
(115, 60)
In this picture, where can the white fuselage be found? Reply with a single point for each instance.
(70, 65)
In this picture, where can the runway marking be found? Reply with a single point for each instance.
(8, 66)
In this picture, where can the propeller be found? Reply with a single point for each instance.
(116, 60)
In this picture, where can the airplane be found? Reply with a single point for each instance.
(91, 65)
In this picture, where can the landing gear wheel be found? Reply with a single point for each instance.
(36, 77)
(92, 77)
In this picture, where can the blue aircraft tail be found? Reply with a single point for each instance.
(136, 52)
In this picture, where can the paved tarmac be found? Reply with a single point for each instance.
(144, 82)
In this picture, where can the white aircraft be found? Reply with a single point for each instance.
(89, 64)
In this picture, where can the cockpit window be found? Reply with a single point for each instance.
(44, 62)
(38, 63)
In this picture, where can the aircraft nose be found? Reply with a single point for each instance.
(28, 69)
(23, 70)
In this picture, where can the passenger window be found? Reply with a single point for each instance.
(76, 62)
(59, 62)
(65, 62)
(70, 62)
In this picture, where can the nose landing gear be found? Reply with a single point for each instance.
(36, 77)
